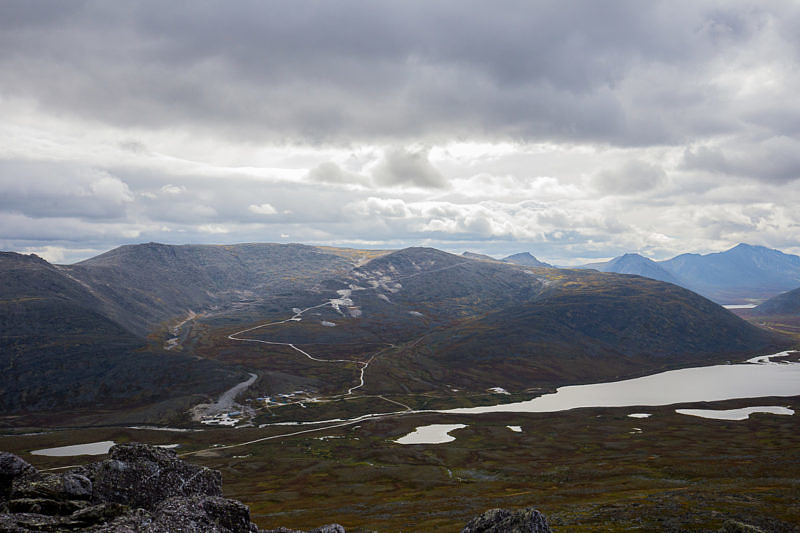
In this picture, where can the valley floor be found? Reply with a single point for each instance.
(586, 469)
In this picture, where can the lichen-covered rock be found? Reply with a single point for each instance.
(504, 521)
(138, 489)
(11, 468)
(99, 514)
(69, 485)
(204, 513)
(143, 476)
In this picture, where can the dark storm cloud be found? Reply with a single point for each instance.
(353, 70)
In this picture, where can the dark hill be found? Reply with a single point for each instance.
(478, 324)
(143, 285)
(578, 326)
(787, 303)
(57, 351)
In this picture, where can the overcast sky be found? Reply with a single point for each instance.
(574, 130)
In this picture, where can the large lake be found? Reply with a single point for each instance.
(757, 378)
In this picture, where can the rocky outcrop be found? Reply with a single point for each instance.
(504, 521)
(138, 489)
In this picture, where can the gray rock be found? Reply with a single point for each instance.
(143, 476)
(45, 506)
(11, 468)
(206, 513)
(138, 489)
(196, 514)
(329, 528)
(69, 485)
(504, 521)
(99, 514)
(77, 485)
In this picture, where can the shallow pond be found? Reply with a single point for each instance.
(90, 448)
(432, 434)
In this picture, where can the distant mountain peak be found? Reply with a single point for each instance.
(744, 247)
(634, 263)
(525, 259)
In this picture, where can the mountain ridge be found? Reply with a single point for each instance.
(740, 274)
(419, 317)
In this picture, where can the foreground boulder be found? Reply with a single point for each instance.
(138, 489)
(143, 476)
(504, 521)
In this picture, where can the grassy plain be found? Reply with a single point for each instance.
(586, 469)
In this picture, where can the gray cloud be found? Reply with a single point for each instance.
(633, 176)
(401, 166)
(550, 124)
(775, 159)
(355, 70)
(330, 172)
(49, 190)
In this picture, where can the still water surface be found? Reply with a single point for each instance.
(90, 448)
(757, 378)
(432, 434)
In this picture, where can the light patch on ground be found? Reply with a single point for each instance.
(432, 434)
(736, 414)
